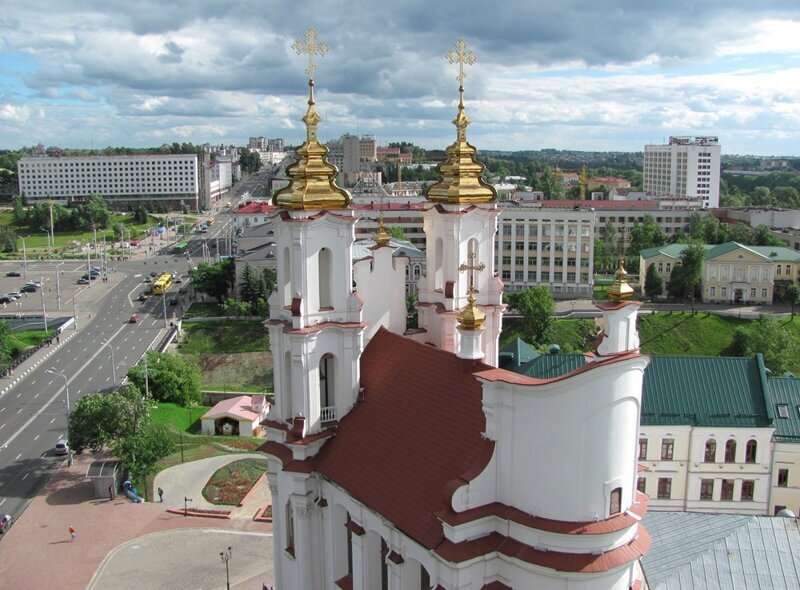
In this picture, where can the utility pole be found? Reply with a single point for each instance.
(58, 283)
(24, 259)
(52, 235)
(44, 311)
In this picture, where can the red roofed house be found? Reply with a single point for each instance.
(240, 416)
(407, 459)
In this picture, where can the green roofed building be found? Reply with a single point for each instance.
(732, 273)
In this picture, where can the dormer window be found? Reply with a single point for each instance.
(783, 410)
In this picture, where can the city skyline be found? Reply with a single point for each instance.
(596, 78)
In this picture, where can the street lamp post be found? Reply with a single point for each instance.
(44, 311)
(49, 248)
(58, 283)
(186, 506)
(226, 557)
(24, 259)
(74, 314)
(113, 364)
(52, 371)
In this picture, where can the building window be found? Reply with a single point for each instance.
(713, 291)
(660, 267)
(727, 490)
(748, 489)
(349, 546)
(641, 484)
(642, 449)
(667, 447)
(707, 489)
(750, 451)
(730, 451)
(763, 293)
(783, 478)
(711, 451)
(724, 291)
(664, 488)
(615, 504)
(753, 293)
(783, 411)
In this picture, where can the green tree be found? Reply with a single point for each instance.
(536, 306)
(5, 344)
(792, 296)
(270, 277)
(8, 239)
(142, 449)
(763, 237)
(91, 213)
(412, 315)
(647, 234)
(97, 420)
(741, 233)
(19, 213)
(685, 276)
(234, 307)
(170, 378)
(251, 288)
(767, 336)
(653, 284)
(213, 279)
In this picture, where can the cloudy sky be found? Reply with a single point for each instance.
(567, 74)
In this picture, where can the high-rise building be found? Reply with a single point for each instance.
(685, 167)
(258, 143)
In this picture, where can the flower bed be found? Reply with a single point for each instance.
(230, 484)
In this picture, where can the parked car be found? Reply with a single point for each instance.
(15, 294)
(5, 522)
(34, 283)
(134, 319)
(95, 273)
(13, 273)
(87, 276)
(61, 448)
(29, 289)
(5, 299)
(83, 281)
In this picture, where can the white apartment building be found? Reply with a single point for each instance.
(546, 246)
(258, 143)
(172, 179)
(685, 167)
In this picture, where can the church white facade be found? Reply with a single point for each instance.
(407, 460)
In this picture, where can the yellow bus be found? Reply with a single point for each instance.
(162, 284)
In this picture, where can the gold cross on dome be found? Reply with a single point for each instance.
(472, 268)
(461, 56)
(312, 47)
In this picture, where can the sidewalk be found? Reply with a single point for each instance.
(187, 480)
(35, 551)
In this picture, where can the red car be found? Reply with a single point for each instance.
(134, 319)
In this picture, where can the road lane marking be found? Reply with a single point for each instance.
(52, 420)
(3, 501)
(36, 437)
(37, 395)
(3, 410)
(18, 456)
(24, 477)
(3, 426)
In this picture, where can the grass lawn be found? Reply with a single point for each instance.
(18, 342)
(226, 337)
(231, 483)
(204, 310)
(181, 418)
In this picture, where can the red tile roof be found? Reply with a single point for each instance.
(254, 207)
(414, 438)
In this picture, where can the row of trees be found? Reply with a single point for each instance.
(249, 161)
(92, 213)
(121, 420)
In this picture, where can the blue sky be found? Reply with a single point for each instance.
(610, 75)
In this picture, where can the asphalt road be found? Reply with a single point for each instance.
(33, 413)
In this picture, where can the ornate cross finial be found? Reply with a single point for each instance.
(312, 47)
(472, 268)
(461, 56)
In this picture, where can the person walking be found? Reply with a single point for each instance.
(160, 495)
(110, 492)
(73, 534)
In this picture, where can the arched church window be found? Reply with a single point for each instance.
(438, 265)
(711, 451)
(325, 276)
(615, 505)
(289, 529)
(286, 277)
(327, 399)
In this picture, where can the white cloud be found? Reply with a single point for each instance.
(14, 114)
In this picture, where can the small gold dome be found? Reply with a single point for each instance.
(471, 317)
(620, 290)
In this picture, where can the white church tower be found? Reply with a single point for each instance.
(315, 325)
(460, 227)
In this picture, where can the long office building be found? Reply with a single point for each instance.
(171, 179)
(685, 167)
